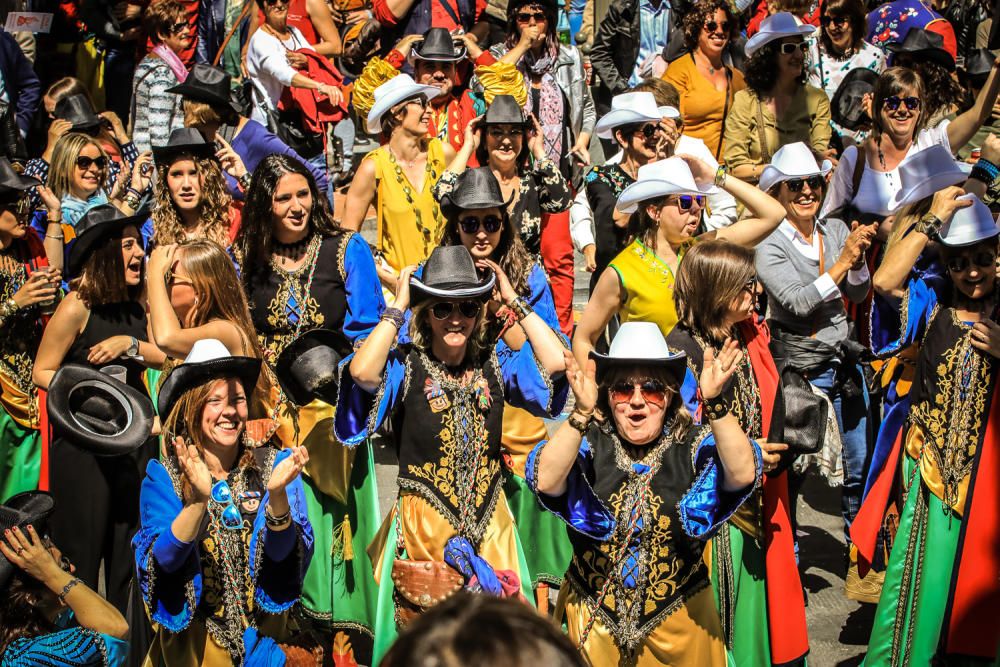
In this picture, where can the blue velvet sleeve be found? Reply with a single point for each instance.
(579, 506)
(170, 553)
(360, 413)
(528, 386)
(170, 597)
(278, 583)
(706, 505)
(917, 307)
(74, 647)
(365, 302)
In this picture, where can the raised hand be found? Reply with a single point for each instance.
(231, 162)
(287, 470)
(402, 300)
(194, 469)
(702, 172)
(718, 368)
(27, 551)
(503, 285)
(582, 382)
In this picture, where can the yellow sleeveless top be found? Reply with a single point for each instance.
(648, 284)
(410, 223)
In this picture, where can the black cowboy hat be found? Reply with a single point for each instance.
(438, 45)
(845, 107)
(96, 225)
(78, 110)
(504, 110)
(925, 44)
(475, 188)
(11, 181)
(207, 84)
(978, 65)
(183, 141)
(308, 366)
(450, 273)
(207, 360)
(31, 508)
(98, 413)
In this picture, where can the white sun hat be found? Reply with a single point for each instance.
(923, 173)
(969, 225)
(392, 92)
(671, 176)
(777, 26)
(626, 109)
(640, 344)
(792, 161)
(669, 112)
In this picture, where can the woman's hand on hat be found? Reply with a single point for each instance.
(503, 285)
(867, 100)
(40, 286)
(160, 261)
(109, 349)
(57, 129)
(472, 47)
(405, 45)
(116, 126)
(947, 201)
(194, 469)
(473, 136)
(582, 382)
(230, 160)
(142, 171)
(25, 549)
(285, 472)
(402, 300)
(718, 368)
(702, 172)
(770, 453)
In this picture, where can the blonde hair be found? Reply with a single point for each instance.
(213, 207)
(64, 156)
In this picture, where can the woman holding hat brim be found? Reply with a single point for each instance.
(445, 394)
(512, 146)
(939, 580)
(669, 196)
(224, 542)
(101, 322)
(48, 616)
(641, 492)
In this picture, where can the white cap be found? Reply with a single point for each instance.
(969, 225)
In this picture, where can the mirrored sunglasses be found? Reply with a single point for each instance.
(230, 516)
(652, 391)
(687, 202)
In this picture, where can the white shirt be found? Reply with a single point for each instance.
(828, 289)
(267, 65)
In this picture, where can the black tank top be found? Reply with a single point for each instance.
(112, 319)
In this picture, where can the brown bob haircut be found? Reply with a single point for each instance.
(712, 274)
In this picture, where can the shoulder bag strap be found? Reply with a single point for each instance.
(725, 110)
(765, 154)
(232, 31)
(859, 170)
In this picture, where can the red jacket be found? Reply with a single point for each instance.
(762, 13)
(316, 109)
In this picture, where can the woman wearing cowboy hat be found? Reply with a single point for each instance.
(668, 196)
(444, 393)
(224, 541)
(753, 565)
(48, 616)
(940, 577)
(642, 492)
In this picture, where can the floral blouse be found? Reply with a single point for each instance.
(826, 71)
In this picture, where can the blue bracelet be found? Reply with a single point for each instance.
(990, 168)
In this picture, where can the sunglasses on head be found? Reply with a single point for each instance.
(525, 17)
(652, 391)
(84, 162)
(686, 202)
(442, 310)
(471, 224)
(222, 495)
(983, 259)
(815, 183)
(836, 21)
(788, 48)
(893, 101)
(712, 26)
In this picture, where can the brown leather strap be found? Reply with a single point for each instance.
(765, 154)
(232, 31)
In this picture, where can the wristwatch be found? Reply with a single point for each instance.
(930, 225)
(133, 349)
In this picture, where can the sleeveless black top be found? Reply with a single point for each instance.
(112, 319)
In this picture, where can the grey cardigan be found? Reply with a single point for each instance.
(794, 302)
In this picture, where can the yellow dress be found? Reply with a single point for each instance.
(648, 284)
(410, 223)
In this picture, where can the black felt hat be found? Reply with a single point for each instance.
(208, 359)
(475, 188)
(78, 110)
(11, 181)
(978, 65)
(31, 508)
(97, 412)
(208, 84)
(439, 45)
(96, 225)
(924, 45)
(307, 368)
(846, 108)
(183, 141)
(450, 273)
(504, 110)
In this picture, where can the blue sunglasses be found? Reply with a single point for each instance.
(223, 495)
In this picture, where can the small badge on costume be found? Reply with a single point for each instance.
(249, 501)
(436, 396)
(483, 394)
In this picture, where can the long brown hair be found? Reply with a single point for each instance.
(213, 209)
(510, 252)
(102, 279)
(712, 274)
(894, 81)
(421, 335)
(25, 609)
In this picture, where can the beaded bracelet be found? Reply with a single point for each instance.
(276, 521)
(720, 176)
(67, 588)
(987, 166)
(9, 307)
(394, 315)
(982, 175)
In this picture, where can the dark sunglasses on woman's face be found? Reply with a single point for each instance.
(472, 224)
(276, 2)
(84, 162)
(685, 202)
(422, 101)
(652, 391)
(892, 102)
(712, 26)
(983, 259)
(750, 285)
(836, 21)
(647, 130)
(178, 28)
(788, 48)
(525, 17)
(442, 310)
(815, 183)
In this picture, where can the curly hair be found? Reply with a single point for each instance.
(213, 206)
(694, 21)
(762, 70)
(480, 342)
(63, 163)
(252, 245)
(25, 609)
(514, 259)
(941, 90)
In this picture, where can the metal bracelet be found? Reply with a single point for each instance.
(521, 307)
(67, 588)
(716, 408)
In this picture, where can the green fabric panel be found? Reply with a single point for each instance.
(750, 645)
(20, 457)
(547, 549)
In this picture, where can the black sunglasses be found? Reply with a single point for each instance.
(751, 285)
(471, 224)
(712, 26)
(178, 28)
(837, 21)
(788, 48)
(647, 130)
(525, 17)
(84, 162)
(815, 183)
(983, 259)
(442, 310)
(893, 101)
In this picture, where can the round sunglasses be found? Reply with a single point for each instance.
(893, 101)
(815, 183)
(712, 26)
(471, 224)
(652, 391)
(84, 162)
(983, 259)
(442, 310)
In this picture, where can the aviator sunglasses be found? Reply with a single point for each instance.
(223, 495)
(652, 391)
(442, 310)
(892, 102)
(472, 224)
(983, 260)
(795, 184)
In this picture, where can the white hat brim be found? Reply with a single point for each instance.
(772, 176)
(762, 38)
(927, 187)
(387, 102)
(617, 117)
(640, 191)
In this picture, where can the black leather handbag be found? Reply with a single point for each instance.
(13, 145)
(800, 416)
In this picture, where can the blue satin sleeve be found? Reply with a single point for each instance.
(527, 385)
(706, 505)
(919, 301)
(540, 298)
(365, 302)
(74, 647)
(171, 553)
(360, 413)
(689, 394)
(404, 332)
(278, 583)
(579, 507)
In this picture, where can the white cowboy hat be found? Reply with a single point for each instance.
(671, 176)
(777, 26)
(923, 173)
(392, 92)
(669, 112)
(969, 225)
(792, 161)
(640, 344)
(627, 109)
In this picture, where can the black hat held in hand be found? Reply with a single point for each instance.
(846, 107)
(30, 508)
(78, 110)
(207, 84)
(308, 366)
(11, 181)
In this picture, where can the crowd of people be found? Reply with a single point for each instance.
(244, 244)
